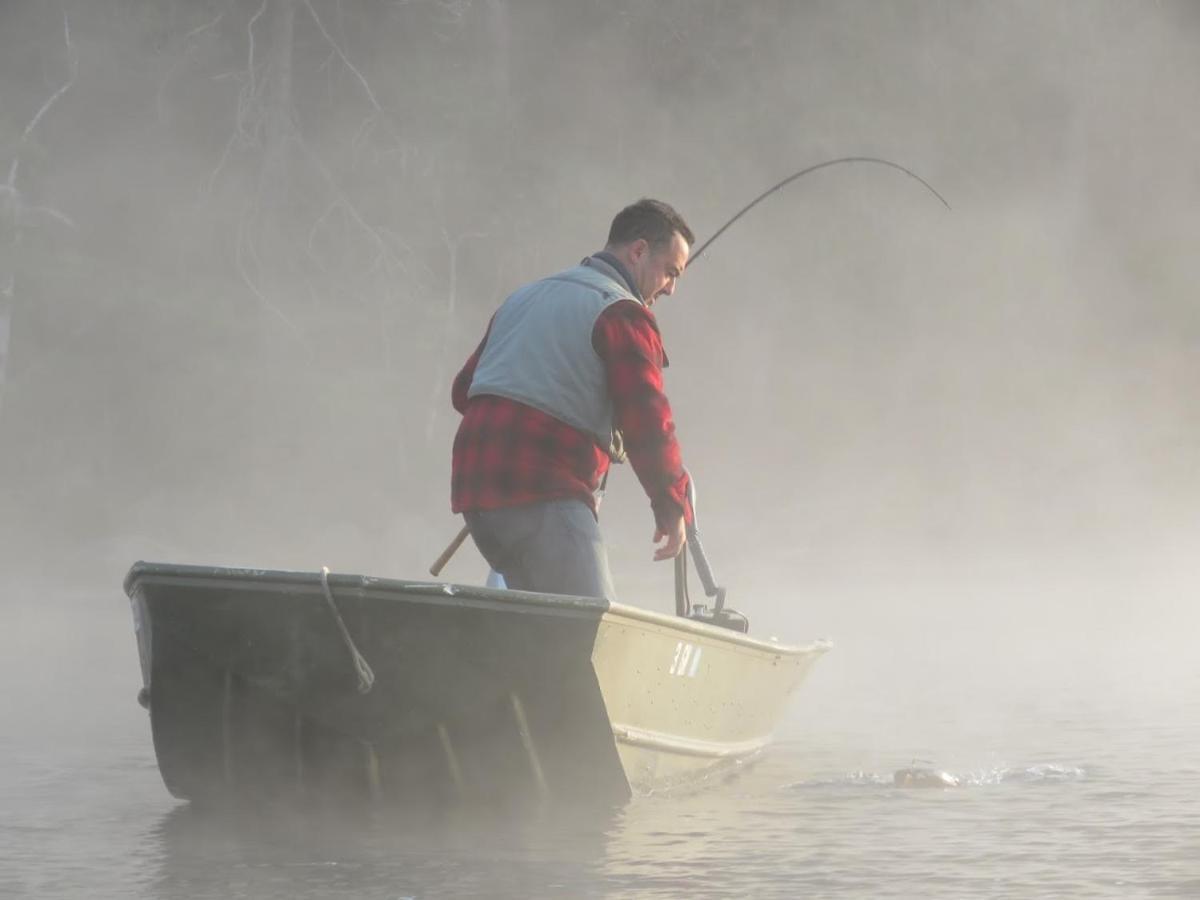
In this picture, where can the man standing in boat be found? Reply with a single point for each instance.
(568, 378)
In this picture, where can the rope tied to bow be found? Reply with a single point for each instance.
(366, 678)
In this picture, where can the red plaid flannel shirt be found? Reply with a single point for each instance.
(508, 454)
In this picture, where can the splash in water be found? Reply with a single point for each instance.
(931, 777)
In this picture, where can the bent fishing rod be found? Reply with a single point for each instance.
(797, 175)
(703, 567)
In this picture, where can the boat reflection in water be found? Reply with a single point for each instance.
(269, 685)
(282, 853)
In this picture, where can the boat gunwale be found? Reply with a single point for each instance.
(462, 595)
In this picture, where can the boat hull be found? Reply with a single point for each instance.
(685, 698)
(477, 694)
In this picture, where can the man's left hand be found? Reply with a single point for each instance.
(676, 537)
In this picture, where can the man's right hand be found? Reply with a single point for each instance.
(675, 536)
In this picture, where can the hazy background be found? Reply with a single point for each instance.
(244, 248)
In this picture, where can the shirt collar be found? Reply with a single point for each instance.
(618, 267)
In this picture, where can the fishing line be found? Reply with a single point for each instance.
(822, 165)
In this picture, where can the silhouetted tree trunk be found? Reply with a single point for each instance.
(9, 238)
(500, 40)
(267, 249)
(278, 131)
(16, 212)
(5, 331)
(264, 253)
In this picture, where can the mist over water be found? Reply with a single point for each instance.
(245, 247)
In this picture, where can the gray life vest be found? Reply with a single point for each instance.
(539, 351)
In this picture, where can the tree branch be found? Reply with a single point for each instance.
(352, 210)
(250, 32)
(47, 211)
(189, 44)
(246, 245)
(345, 61)
(33, 123)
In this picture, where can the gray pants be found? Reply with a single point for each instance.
(553, 547)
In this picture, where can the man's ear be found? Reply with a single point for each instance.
(638, 249)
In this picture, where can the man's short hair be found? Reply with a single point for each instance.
(652, 220)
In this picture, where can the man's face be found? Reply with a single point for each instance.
(657, 270)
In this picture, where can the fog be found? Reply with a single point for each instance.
(244, 248)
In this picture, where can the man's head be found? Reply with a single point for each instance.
(652, 241)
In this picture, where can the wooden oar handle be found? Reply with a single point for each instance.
(450, 550)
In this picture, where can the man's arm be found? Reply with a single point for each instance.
(627, 339)
(462, 381)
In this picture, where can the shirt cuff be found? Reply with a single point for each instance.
(672, 503)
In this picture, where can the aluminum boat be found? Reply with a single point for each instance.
(269, 684)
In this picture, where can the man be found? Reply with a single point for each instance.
(569, 373)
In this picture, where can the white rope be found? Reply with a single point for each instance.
(366, 678)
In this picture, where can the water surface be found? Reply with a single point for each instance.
(1069, 788)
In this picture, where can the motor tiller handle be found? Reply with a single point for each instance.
(450, 550)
